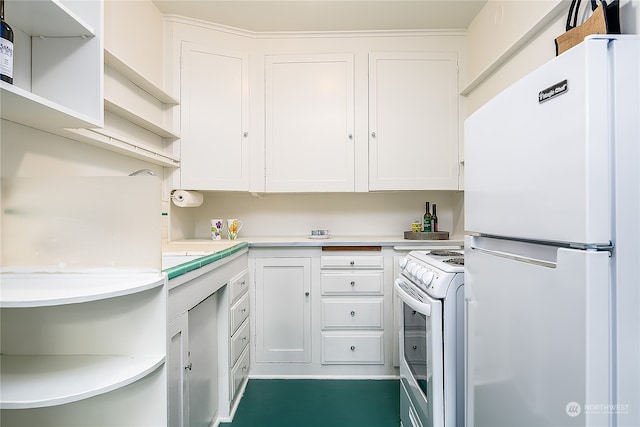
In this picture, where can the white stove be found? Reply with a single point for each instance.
(433, 271)
(430, 287)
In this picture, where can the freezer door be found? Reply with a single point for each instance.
(537, 334)
(539, 170)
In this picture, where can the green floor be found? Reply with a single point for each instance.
(319, 403)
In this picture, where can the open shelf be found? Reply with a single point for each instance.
(138, 79)
(21, 106)
(22, 290)
(140, 121)
(46, 19)
(37, 381)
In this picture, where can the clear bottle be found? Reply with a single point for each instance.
(426, 219)
(434, 219)
(6, 48)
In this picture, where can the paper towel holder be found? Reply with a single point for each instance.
(186, 198)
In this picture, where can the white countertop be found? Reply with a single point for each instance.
(204, 247)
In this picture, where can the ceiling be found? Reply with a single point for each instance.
(329, 15)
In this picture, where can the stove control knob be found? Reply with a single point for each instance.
(419, 272)
(413, 269)
(426, 277)
(403, 262)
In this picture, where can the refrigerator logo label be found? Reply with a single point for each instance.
(553, 91)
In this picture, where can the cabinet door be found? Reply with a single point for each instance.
(203, 363)
(177, 362)
(214, 150)
(413, 121)
(309, 123)
(283, 314)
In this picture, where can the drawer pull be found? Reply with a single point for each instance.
(189, 366)
(353, 313)
(353, 348)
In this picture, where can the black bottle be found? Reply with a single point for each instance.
(6, 48)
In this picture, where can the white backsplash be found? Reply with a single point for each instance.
(344, 214)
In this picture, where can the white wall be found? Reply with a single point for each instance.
(344, 214)
(510, 38)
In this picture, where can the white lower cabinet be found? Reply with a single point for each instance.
(322, 312)
(201, 341)
(283, 309)
(352, 309)
(193, 366)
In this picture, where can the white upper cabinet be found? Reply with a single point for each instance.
(214, 150)
(413, 121)
(57, 64)
(309, 123)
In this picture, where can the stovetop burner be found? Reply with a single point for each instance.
(445, 253)
(455, 261)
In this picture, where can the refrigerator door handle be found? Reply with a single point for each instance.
(515, 257)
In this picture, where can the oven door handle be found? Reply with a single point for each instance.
(420, 307)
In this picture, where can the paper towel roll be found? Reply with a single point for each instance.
(187, 199)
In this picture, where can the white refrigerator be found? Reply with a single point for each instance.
(552, 259)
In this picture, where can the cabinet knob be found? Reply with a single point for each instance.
(353, 313)
(352, 262)
(245, 134)
(306, 294)
(350, 136)
(415, 347)
(244, 338)
(353, 283)
(353, 347)
(189, 366)
(373, 134)
(244, 310)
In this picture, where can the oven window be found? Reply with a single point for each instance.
(417, 331)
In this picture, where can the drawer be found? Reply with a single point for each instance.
(343, 313)
(352, 262)
(352, 348)
(239, 312)
(239, 285)
(239, 341)
(239, 372)
(354, 283)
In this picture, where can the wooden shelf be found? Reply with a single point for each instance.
(138, 79)
(22, 290)
(37, 381)
(46, 19)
